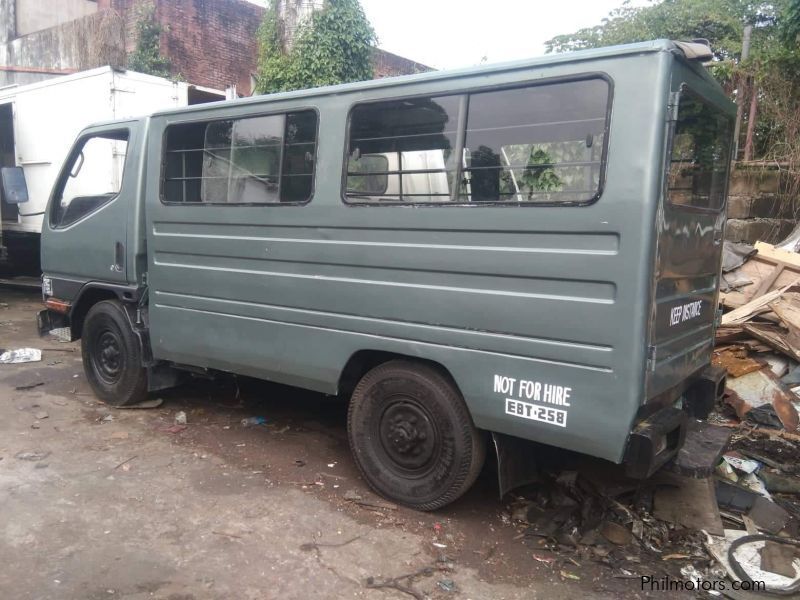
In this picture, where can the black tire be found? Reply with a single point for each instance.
(112, 358)
(412, 436)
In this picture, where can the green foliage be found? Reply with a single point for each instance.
(539, 175)
(772, 70)
(334, 46)
(146, 56)
(273, 64)
(790, 27)
(719, 21)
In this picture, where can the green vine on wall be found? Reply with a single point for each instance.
(146, 56)
(333, 46)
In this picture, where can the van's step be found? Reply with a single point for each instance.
(701, 451)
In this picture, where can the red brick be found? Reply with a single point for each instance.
(214, 43)
(209, 42)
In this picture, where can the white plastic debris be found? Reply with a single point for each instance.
(180, 418)
(752, 481)
(742, 464)
(22, 355)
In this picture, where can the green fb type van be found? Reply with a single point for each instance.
(527, 251)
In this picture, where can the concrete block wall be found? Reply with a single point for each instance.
(8, 20)
(758, 208)
(76, 45)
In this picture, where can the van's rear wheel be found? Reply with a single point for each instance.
(112, 357)
(412, 436)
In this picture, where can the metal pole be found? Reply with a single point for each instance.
(748, 30)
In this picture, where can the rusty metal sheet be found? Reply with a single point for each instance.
(759, 388)
(735, 361)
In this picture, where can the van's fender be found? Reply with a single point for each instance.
(133, 300)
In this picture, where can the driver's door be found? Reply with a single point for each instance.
(84, 234)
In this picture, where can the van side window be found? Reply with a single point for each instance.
(542, 143)
(403, 151)
(93, 179)
(701, 155)
(256, 160)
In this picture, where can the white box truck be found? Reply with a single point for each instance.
(39, 122)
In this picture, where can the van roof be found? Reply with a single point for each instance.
(661, 45)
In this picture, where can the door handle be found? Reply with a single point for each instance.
(119, 257)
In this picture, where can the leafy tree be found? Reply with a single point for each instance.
(771, 73)
(539, 174)
(719, 21)
(146, 56)
(790, 28)
(334, 46)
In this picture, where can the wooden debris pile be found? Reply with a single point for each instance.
(758, 340)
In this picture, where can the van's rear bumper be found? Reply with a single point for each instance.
(655, 441)
(658, 438)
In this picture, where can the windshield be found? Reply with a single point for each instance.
(701, 154)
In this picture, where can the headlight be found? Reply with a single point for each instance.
(47, 286)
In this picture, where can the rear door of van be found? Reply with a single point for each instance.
(690, 228)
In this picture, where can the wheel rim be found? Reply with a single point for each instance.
(107, 355)
(408, 437)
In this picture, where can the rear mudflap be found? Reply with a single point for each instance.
(55, 324)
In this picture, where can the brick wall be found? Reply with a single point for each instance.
(388, 65)
(213, 43)
(209, 42)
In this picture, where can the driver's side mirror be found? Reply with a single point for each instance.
(15, 189)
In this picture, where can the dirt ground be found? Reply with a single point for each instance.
(99, 503)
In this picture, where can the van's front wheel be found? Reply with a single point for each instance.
(412, 436)
(112, 358)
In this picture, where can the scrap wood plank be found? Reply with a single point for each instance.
(787, 308)
(746, 311)
(772, 336)
(729, 333)
(768, 269)
(768, 281)
(777, 255)
(687, 501)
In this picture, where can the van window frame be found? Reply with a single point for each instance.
(254, 115)
(61, 181)
(463, 93)
(671, 125)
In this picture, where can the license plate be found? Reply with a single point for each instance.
(535, 412)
